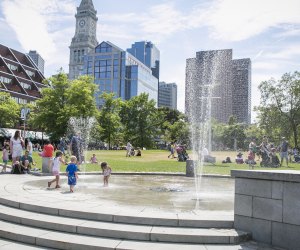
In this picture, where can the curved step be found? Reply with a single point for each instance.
(174, 220)
(123, 231)
(60, 240)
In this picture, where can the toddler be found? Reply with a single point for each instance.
(56, 168)
(72, 173)
(106, 170)
(94, 159)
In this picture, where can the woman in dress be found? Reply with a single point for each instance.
(16, 146)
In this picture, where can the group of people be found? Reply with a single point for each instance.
(268, 154)
(182, 154)
(22, 163)
(13, 148)
(131, 152)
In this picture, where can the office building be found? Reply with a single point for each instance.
(19, 76)
(213, 86)
(241, 101)
(117, 71)
(37, 59)
(85, 39)
(167, 95)
(148, 54)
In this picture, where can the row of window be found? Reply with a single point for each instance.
(78, 55)
(19, 100)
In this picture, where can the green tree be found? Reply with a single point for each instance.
(140, 119)
(109, 119)
(178, 131)
(280, 105)
(231, 135)
(9, 110)
(65, 99)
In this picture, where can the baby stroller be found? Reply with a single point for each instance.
(181, 152)
(270, 160)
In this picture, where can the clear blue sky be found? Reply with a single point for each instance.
(266, 31)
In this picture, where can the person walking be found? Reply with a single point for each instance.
(284, 148)
(172, 150)
(128, 149)
(56, 168)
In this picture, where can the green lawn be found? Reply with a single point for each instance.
(157, 161)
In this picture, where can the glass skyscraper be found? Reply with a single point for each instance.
(148, 54)
(117, 71)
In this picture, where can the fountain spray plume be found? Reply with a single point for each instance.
(79, 130)
(200, 83)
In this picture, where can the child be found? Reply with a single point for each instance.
(239, 158)
(94, 159)
(72, 173)
(56, 168)
(106, 172)
(5, 154)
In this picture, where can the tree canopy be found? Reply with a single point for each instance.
(9, 110)
(64, 100)
(279, 111)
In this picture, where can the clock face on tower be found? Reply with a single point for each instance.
(81, 23)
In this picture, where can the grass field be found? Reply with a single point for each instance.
(157, 161)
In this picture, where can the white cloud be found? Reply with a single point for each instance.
(38, 25)
(236, 20)
(265, 65)
(292, 50)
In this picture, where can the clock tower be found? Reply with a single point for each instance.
(85, 39)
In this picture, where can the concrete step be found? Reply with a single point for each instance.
(209, 220)
(60, 240)
(121, 230)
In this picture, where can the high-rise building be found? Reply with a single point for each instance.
(241, 95)
(117, 71)
(167, 95)
(148, 54)
(37, 59)
(214, 80)
(19, 76)
(85, 39)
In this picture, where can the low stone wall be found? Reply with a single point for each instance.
(267, 204)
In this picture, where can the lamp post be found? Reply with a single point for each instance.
(24, 113)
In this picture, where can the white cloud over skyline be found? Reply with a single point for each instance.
(264, 29)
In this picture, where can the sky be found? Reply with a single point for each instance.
(266, 31)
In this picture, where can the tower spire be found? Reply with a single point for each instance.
(85, 39)
(86, 3)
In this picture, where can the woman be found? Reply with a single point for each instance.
(16, 146)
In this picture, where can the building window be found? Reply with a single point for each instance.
(30, 73)
(25, 85)
(103, 48)
(22, 101)
(102, 69)
(5, 80)
(12, 67)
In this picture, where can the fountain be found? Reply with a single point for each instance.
(79, 130)
(202, 77)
